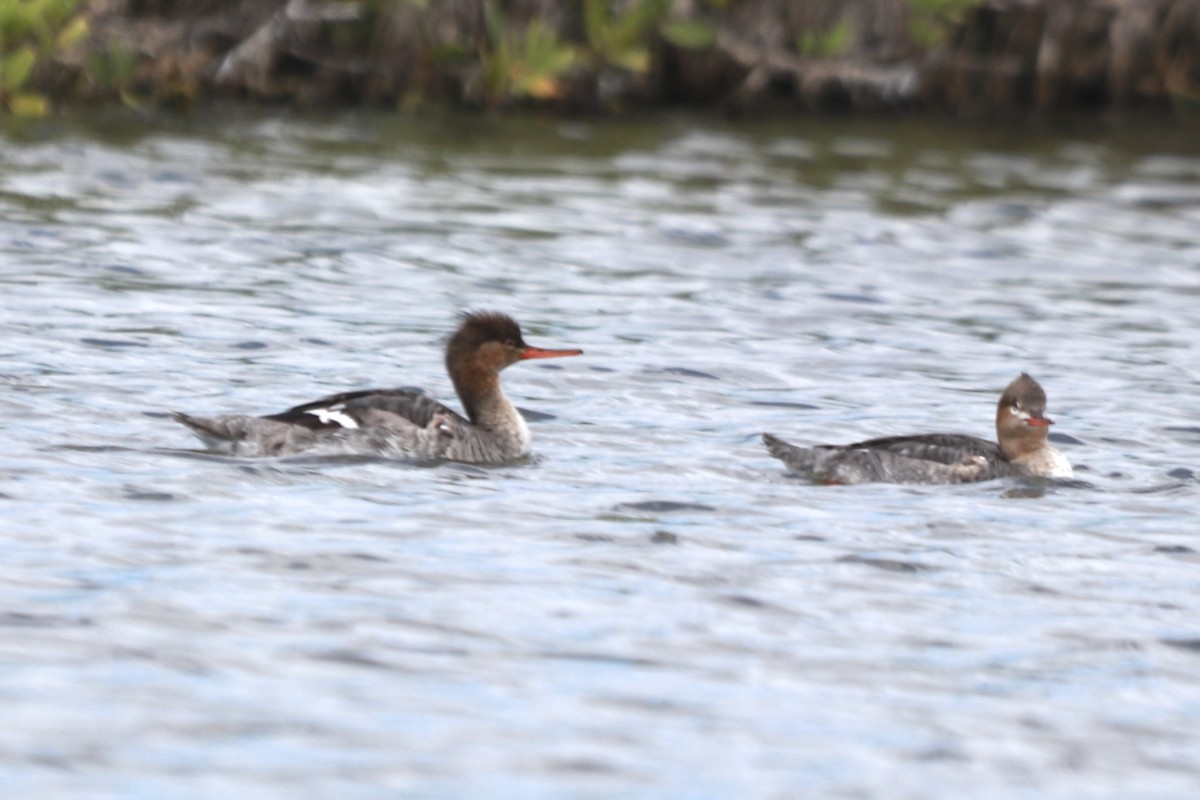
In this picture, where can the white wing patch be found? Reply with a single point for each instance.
(328, 415)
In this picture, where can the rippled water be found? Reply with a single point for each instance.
(649, 606)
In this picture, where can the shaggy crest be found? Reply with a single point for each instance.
(478, 327)
(1025, 393)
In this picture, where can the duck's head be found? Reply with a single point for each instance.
(491, 341)
(1021, 421)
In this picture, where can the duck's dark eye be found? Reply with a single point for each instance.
(509, 343)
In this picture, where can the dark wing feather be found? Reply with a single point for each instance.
(944, 448)
(411, 404)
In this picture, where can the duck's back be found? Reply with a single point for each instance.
(364, 408)
(940, 448)
(374, 421)
(925, 458)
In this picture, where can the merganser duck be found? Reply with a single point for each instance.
(1021, 427)
(404, 422)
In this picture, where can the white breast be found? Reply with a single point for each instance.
(1047, 463)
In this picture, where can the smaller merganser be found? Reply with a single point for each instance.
(1021, 427)
(404, 422)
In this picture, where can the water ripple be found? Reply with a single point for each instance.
(650, 604)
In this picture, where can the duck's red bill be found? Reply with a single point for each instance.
(537, 352)
(1039, 422)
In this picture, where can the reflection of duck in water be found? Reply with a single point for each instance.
(403, 421)
(1021, 427)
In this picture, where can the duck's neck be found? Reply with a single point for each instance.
(497, 431)
(483, 400)
(1022, 444)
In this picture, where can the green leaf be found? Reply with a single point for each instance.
(635, 24)
(493, 20)
(448, 53)
(596, 23)
(16, 68)
(54, 12)
(130, 101)
(825, 44)
(13, 26)
(38, 26)
(543, 52)
(689, 34)
(33, 106)
(634, 59)
(76, 29)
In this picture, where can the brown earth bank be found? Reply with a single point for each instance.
(963, 56)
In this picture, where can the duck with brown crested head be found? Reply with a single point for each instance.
(403, 422)
(1023, 450)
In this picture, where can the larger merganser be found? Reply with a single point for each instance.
(1021, 427)
(403, 422)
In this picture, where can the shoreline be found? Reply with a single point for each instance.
(969, 58)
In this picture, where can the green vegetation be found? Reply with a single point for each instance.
(523, 63)
(580, 54)
(830, 43)
(689, 34)
(533, 61)
(518, 60)
(111, 70)
(930, 20)
(622, 40)
(33, 32)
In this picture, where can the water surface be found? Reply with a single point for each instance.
(649, 606)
